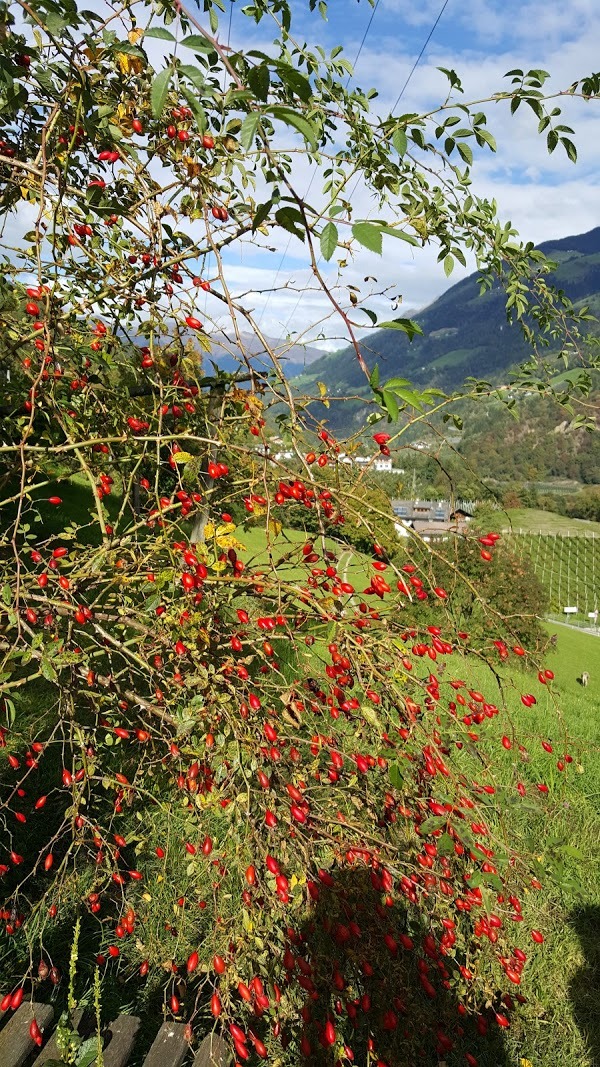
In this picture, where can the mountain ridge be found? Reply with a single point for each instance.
(464, 333)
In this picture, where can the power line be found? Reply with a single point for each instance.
(421, 53)
(362, 43)
(400, 95)
(229, 27)
(309, 187)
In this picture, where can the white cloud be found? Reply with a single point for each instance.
(544, 196)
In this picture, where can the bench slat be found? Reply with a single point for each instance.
(122, 1034)
(15, 1042)
(213, 1052)
(169, 1048)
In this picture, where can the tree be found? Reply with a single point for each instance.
(499, 602)
(200, 750)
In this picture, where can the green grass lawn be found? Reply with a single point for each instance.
(560, 1025)
(280, 552)
(534, 520)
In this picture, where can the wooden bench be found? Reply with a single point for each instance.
(169, 1049)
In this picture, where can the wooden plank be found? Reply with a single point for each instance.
(82, 1023)
(169, 1048)
(15, 1043)
(121, 1039)
(213, 1052)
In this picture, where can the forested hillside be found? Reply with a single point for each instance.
(464, 333)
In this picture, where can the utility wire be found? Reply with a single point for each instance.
(400, 95)
(421, 54)
(229, 27)
(362, 43)
(313, 176)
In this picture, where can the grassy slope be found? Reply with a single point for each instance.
(560, 1026)
(351, 565)
(533, 520)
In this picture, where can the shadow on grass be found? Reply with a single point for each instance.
(584, 988)
(388, 1005)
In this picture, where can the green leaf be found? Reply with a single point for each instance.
(88, 1052)
(435, 822)
(196, 77)
(160, 32)
(552, 141)
(159, 91)
(374, 379)
(368, 235)
(262, 212)
(48, 671)
(412, 399)
(572, 852)
(181, 458)
(448, 265)
(466, 152)
(259, 81)
(569, 148)
(408, 326)
(329, 240)
(396, 776)
(400, 142)
(390, 404)
(480, 878)
(248, 131)
(445, 845)
(198, 43)
(485, 135)
(297, 82)
(292, 221)
(299, 123)
(391, 231)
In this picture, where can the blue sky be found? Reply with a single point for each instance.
(481, 39)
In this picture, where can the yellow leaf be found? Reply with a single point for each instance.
(230, 542)
(135, 35)
(93, 54)
(525, 1063)
(147, 897)
(203, 342)
(181, 458)
(128, 64)
(209, 530)
(322, 388)
(203, 636)
(275, 527)
(193, 168)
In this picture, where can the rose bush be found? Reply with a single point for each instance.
(226, 762)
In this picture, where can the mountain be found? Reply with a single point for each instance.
(294, 358)
(464, 333)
